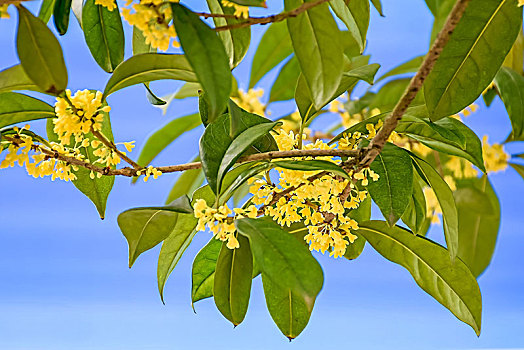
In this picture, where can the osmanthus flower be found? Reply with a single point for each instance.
(250, 101)
(153, 19)
(109, 4)
(3, 11)
(240, 11)
(148, 172)
(495, 158)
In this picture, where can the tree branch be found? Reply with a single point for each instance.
(377, 143)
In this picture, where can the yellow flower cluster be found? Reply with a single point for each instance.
(466, 112)
(148, 172)
(3, 11)
(250, 101)
(432, 205)
(521, 2)
(337, 106)
(152, 18)
(495, 158)
(240, 11)
(109, 4)
(220, 222)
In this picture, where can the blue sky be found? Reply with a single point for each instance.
(64, 281)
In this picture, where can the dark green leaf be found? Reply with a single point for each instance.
(203, 271)
(206, 54)
(479, 222)
(149, 67)
(472, 57)
(14, 78)
(17, 108)
(316, 42)
(392, 192)
(40, 53)
(378, 6)
(104, 34)
(46, 10)
(284, 86)
(355, 15)
(274, 47)
(415, 216)
(232, 281)
(241, 179)
(152, 98)
(510, 86)
(283, 259)
(61, 15)
(311, 165)
(410, 66)
(451, 284)
(515, 57)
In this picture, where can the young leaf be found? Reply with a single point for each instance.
(361, 214)
(40, 53)
(289, 310)
(232, 281)
(46, 10)
(415, 216)
(451, 284)
(284, 86)
(479, 222)
(17, 108)
(510, 86)
(206, 54)
(236, 41)
(472, 57)
(355, 15)
(149, 67)
(392, 192)
(316, 42)
(104, 34)
(515, 58)
(446, 201)
(203, 271)
(145, 227)
(61, 11)
(14, 78)
(281, 257)
(274, 47)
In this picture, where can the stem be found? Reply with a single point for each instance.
(108, 143)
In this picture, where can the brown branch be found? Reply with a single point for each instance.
(110, 144)
(376, 145)
(274, 18)
(217, 15)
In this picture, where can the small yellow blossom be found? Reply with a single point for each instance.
(495, 158)
(109, 4)
(240, 11)
(3, 11)
(250, 101)
(150, 171)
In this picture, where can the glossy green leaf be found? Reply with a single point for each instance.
(163, 137)
(378, 6)
(479, 222)
(152, 97)
(145, 227)
(355, 15)
(232, 281)
(316, 42)
(510, 86)
(203, 271)
(17, 108)
(61, 11)
(415, 216)
(104, 34)
(289, 310)
(46, 10)
(242, 178)
(40, 53)
(178, 240)
(389, 95)
(311, 165)
(361, 214)
(96, 189)
(446, 201)
(410, 66)
(472, 57)
(139, 43)
(257, 3)
(451, 284)
(392, 192)
(149, 67)
(206, 54)
(274, 47)
(518, 168)
(284, 86)
(236, 41)
(14, 78)
(515, 57)
(281, 257)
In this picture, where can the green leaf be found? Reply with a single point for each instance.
(446, 201)
(410, 66)
(14, 78)
(283, 259)
(249, 172)
(139, 43)
(274, 47)
(415, 216)
(515, 57)
(152, 98)
(40, 53)
(206, 54)
(518, 168)
(76, 7)
(104, 34)
(216, 140)
(289, 310)
(163, 137)
(232, 281)
(284, 86)
(145, 227)
(451, 284)
(149, 67)
(479, 222)
(510, 86)
(236, 41)
(311, 165)
(472, 57)
(392, 192)
(257, 3)
(316, 42)
(46, 10)
(203, 271)
(378, 6)
(61, 11)
(97, 189)
(17, 108)
(361, 214)
(389, 95)
(355, 15)
(178, 240)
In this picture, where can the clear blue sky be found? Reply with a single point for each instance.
(64, 281)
